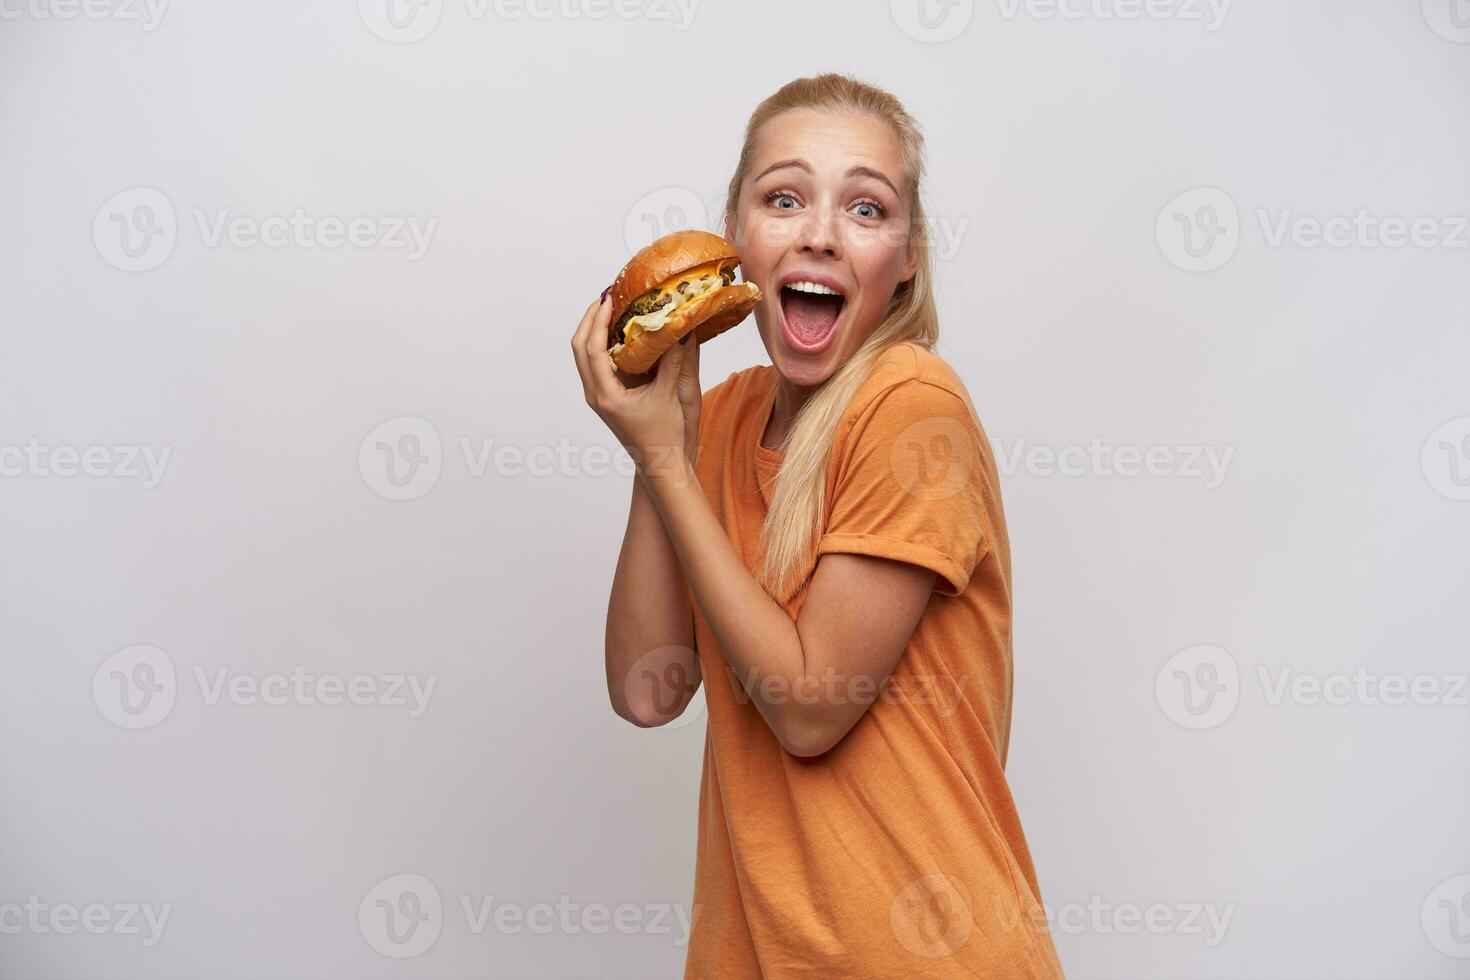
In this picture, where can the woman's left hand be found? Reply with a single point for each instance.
(652, 419)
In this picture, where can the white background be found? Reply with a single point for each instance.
(544, 149)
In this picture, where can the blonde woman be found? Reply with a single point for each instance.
(821, 543)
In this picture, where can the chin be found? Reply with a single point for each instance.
(805, 372)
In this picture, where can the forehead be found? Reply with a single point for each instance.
(830, 142)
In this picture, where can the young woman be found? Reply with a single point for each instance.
(821, 542)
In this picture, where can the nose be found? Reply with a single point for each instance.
(818, 234)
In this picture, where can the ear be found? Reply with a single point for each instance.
(910, 262)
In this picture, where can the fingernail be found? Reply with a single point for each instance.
(606, 291)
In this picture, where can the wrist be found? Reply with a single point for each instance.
(667, 465)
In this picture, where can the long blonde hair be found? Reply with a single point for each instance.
(794, 522)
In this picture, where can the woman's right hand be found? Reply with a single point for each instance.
(650, 420)
(691, 398)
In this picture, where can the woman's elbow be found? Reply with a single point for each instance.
(645, 713)
(808, 736)
(640, 720)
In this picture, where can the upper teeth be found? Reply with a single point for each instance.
(802, 286)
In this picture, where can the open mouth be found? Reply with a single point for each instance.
(809, 316)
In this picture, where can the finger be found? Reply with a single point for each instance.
(688, 381)
(579, 337)
(604, 372)
(669, 366)
(579, 347)
(691, 360)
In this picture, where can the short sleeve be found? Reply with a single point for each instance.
(910, 484)
(709, 402)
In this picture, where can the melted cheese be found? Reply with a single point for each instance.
(702, 280)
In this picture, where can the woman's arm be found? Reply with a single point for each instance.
(652, 669)
(811, 679)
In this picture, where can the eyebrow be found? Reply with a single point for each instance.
(858, 171)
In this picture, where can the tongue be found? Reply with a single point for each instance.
(809, 315)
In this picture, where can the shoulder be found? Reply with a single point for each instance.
(737, 384)
(914, 382)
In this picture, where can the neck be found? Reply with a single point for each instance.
(789, 399)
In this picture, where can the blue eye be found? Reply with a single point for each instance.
(878, 209)
(777, 195)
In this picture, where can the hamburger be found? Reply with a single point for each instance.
(680, 283)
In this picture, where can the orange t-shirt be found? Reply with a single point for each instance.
(899, 852)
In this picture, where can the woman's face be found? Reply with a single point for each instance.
(825, 201)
